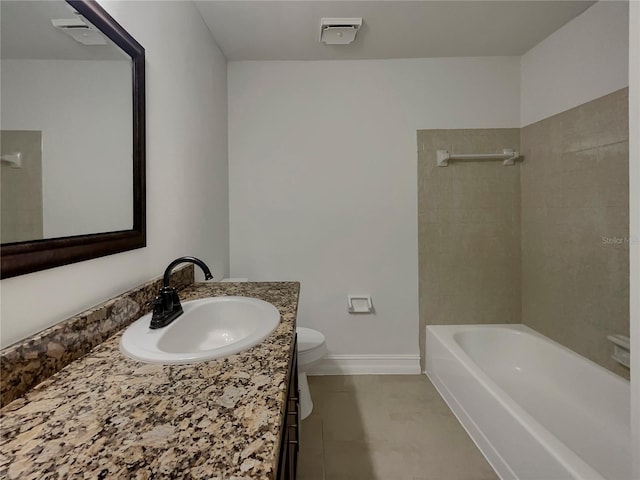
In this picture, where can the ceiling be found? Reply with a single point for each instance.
(27, 33)
(288, 30)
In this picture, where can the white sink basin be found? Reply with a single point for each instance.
(208, 329)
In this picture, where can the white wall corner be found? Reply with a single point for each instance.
(584, 60)
(367, 365)
(634, 228)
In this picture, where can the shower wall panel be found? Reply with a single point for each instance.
(469, 230)
(575, 227)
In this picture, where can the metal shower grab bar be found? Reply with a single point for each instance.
(508, 156)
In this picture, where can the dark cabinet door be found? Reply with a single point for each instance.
(293, 416)
(290, 441)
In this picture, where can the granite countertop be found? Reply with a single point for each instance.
(107, 416)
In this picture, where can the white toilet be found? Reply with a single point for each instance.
(311, 348)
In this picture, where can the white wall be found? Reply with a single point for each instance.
(634, 217)
(187, 196)
(322, 168)
(86, 124)
(584, 60)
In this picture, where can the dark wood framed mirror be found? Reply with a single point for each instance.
(21, 257)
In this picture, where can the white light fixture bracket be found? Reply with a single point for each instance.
(339, 31)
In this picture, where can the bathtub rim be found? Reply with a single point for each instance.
(524, 329)
(555, 447)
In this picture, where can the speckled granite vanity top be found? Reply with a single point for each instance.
(107, 416)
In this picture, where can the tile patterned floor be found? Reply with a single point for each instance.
(385, 427)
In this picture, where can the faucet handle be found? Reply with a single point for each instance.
(150, 303)
(156, 303)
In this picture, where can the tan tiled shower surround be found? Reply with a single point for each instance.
(575, 227)
(469, 230)
(544, 242)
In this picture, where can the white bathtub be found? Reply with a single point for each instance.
(536, 410)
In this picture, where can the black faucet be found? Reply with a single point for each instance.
(166, 306)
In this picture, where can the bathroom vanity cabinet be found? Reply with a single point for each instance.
(224, 418)
(290, 435)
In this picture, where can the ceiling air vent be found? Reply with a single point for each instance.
(81, 32)
(339, 31)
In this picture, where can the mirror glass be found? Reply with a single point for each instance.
(66, 125)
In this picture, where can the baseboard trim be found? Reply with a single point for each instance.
(367, 365)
